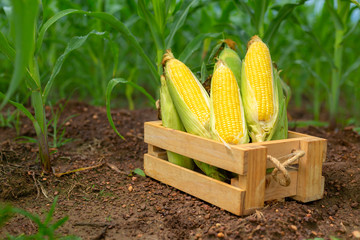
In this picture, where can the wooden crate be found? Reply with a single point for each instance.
(253, 186)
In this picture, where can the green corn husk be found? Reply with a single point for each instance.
(233, 61)
(170, 119)
(281, 129)
(189, 119)
(276, 127)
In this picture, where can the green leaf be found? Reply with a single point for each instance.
(20, 107)
(311, 33)
(259, 14)
(24, 18)
(50, 214)
(153, 25)
(140, 172)
(356, 3)
(351, 31)
(203, 72)
(245, 7)
(112, 83)
(5, 47)
(313, 73)
(283, 13)
(178, 24)
(74, 43)
(353, 67)
(293, 124)
(195, 44)
(49, 23)
(334, 16)
(113, 22)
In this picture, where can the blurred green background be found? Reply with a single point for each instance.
(314, 43)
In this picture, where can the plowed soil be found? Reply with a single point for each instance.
(109, 202)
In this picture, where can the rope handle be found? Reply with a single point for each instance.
(285, 181)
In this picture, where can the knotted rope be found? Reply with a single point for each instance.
(285, 181)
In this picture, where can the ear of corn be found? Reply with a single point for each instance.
(233, 61)
(191, 102)
(170, 119)
(261, 92)
(227, 114)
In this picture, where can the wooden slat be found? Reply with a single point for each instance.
(157, 152)
(213, 152)
(210, 190)
(198, 148)
(273, 190)
(292, 134)
(309, 184)
(255, 179)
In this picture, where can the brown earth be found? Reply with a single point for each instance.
(108, 203)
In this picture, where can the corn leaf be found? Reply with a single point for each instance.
(178, 24)
(5, 47)
(112, 83)
(109, 19)
(153, 25)
(195, 44)
(74, 43)
(283, 13)
(24, 18)
(334, 16)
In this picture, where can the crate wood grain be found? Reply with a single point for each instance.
(252, 186)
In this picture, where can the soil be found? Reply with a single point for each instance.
(111, 202)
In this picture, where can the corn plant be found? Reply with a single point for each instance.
(28, 42)
(332, 47)
(46, 229)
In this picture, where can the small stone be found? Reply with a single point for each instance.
(95, 116)
(130, 188)
(220, 235)
(356, 234)
(123, 206)
(56, 193)
(354, 204)
(293, 227)
(218, 225)
(134, 178)
(132, 204)
(207, 216)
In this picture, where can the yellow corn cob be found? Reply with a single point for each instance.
(188, 88)
(262, 94)
(258, 70)
(225, 99)
(191, 102)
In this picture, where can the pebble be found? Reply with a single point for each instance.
(293, 227)
(130, 188)
(220, 235)
(354, 204)
(356, 234)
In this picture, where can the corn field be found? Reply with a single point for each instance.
(79, 51)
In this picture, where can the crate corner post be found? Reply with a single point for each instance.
(310, 182)
(255, 179)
